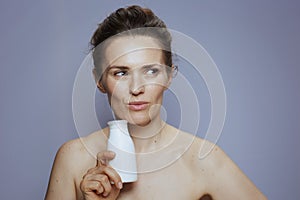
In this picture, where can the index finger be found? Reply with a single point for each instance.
(104, 157)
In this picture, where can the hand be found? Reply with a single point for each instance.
(102, 181)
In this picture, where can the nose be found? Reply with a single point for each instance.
(137, 86)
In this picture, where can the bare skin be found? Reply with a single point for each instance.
(167, 158)
(187, 178)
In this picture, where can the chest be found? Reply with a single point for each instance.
(176, 181)
(170, 183)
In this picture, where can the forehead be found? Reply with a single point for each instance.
(132, 50)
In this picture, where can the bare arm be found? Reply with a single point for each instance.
(228, 181)
(61, 183)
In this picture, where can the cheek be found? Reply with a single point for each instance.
(156, 91)
(116, 88)
(164, 81)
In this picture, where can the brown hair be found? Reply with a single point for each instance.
(137, 18)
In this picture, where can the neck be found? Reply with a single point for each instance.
(147, 138)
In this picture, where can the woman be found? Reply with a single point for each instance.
(133, 66)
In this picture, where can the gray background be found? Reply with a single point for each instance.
(254, 43)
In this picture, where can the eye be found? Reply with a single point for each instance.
(120, 73)
(152, 71)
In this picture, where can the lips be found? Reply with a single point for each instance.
(138, 105)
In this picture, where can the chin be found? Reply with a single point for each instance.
(141, 118)
(139, 121)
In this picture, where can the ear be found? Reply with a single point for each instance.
(96, 75)
(97, 78)
(170, 75)
(101, 87)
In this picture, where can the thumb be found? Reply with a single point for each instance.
(104, 157)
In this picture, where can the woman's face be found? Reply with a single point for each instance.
(135, 78)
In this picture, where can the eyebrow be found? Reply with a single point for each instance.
(118, 67)
(144, 66)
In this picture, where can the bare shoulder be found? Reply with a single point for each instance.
(74, 154)
(72, 159)
(224, 178)
(202, 153)
(208, 155)
(69, 153)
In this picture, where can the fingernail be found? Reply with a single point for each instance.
(105, 194)
(120, 185)
(102, 162)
